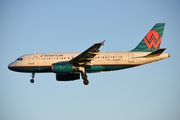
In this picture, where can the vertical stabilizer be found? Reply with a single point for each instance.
(152, 40)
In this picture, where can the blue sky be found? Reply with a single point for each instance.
(149, 92)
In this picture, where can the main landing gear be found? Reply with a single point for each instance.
(84, 77)
(32, 80)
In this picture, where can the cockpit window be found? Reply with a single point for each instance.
(20, 59)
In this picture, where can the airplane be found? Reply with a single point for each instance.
(70, 66)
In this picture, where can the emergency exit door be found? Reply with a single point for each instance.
(130, 57)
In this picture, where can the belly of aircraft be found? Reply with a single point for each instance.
(92, 69)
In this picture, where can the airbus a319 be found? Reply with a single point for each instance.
(70, 66)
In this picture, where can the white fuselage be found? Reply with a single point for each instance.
(112, 59)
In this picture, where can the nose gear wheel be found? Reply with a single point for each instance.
(32, 80)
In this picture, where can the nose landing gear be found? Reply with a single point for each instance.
(32, 80)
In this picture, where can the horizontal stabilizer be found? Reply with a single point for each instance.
(156, 53)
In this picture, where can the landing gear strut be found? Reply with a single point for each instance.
(84, 76)
(32, 80)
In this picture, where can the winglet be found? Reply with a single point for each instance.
(102, 43)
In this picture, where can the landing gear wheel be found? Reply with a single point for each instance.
(84, 76)
(32, 75)
(32, 80)
(86, 82)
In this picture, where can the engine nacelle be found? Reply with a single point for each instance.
(63, 68)
(67, 76)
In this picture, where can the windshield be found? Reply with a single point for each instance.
(20, 59)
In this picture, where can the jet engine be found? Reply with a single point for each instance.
(63, 68)
(67, 76)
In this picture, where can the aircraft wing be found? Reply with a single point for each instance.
(84, 58)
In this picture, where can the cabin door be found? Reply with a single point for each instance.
(31, 59)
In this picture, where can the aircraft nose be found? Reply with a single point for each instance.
(10, 66)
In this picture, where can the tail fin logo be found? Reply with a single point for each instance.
(153, 39)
